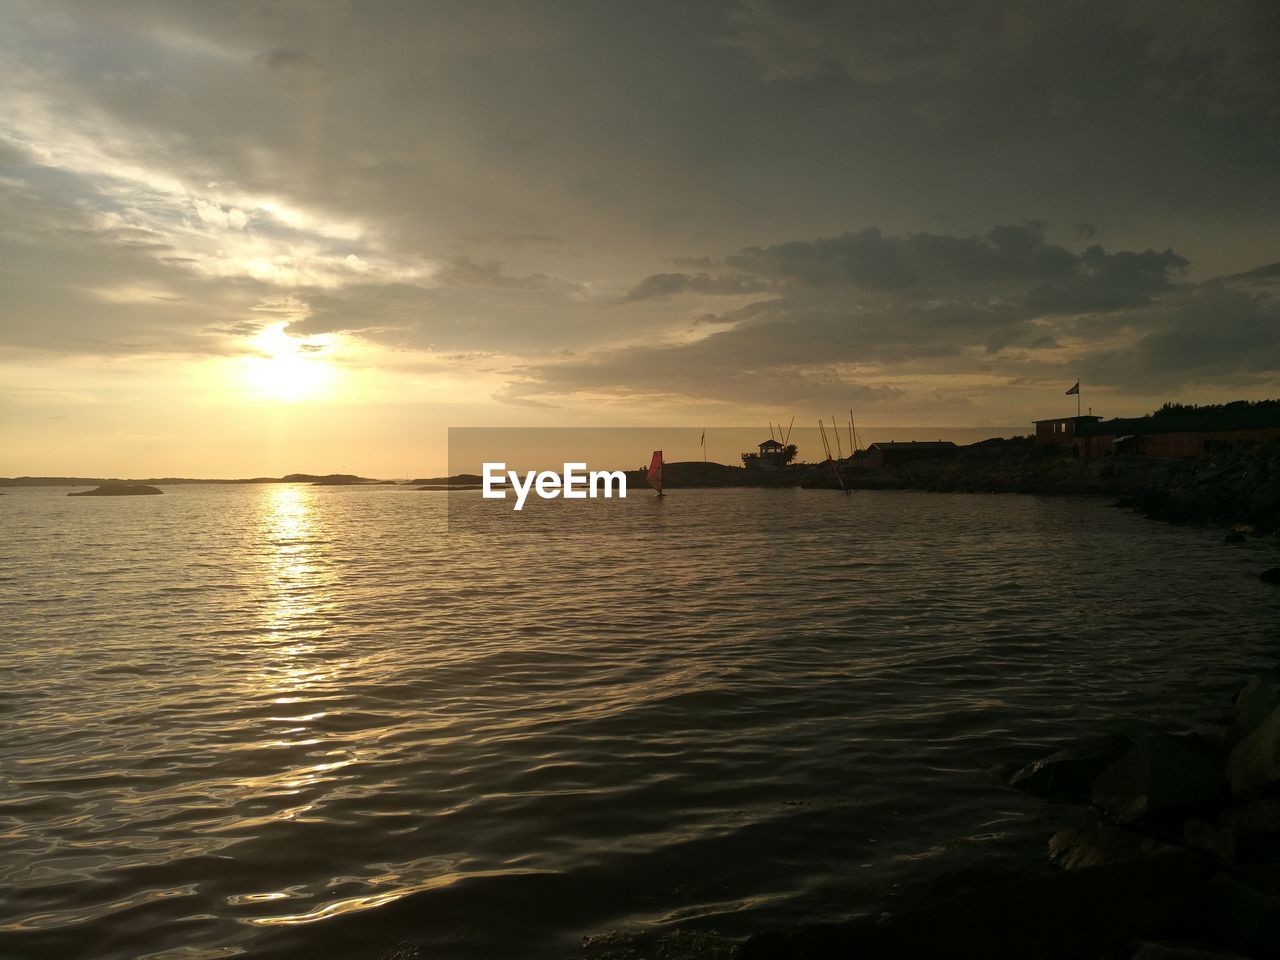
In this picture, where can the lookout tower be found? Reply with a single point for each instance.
(772, 456)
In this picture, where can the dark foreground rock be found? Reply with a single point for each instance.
(1254, 704)
(1069, 773)
(118, 490)
(1169, 950)
(1254, 762)
(1177, 858)
(1093, 842)
(1159, 774)
(1074, 914)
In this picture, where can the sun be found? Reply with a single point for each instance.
(289, 368)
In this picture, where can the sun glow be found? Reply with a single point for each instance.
(289, 368)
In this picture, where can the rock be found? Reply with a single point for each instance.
(1244, 917)
(1254, 702)
(118, 490)
(1069, 773)
(1217, 841)
(1168, 950)
(1095, 842)
(1255, 760)
(1262, 816)
(1234, 536)
(1158, 774)
(1271, 576)
(1257, 829)
(1069, 914)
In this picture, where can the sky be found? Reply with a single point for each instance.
(249, 239)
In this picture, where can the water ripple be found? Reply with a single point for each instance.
(289, 720)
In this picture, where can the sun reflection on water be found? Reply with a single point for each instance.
(297, 673)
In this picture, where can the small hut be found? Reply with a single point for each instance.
(772, 456)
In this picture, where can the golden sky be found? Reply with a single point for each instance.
(242, 240)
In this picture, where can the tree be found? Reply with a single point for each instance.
(788, 453)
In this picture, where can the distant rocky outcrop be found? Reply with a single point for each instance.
(459, 481)
(118, 490)
(329, 478)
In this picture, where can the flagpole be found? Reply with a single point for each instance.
(1077, 398)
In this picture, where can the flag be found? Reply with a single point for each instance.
(1075, 389)
(703, 441)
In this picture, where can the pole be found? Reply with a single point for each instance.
(1077, 401)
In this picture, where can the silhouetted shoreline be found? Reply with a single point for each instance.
(327, 479)
(1239, 488)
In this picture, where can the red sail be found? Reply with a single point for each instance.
(654, 476)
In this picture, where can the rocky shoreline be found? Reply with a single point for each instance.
(1239, 488)
(1174, 848)
(1174, 854)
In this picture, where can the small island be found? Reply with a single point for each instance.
(118, 490)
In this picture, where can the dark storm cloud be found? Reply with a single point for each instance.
(1266, 274)
(1220, 56)
(1215, 333)
(1009, 256)
(669, 284)
(942, 303)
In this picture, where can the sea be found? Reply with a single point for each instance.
(284, 720)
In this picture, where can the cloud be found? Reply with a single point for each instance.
(296, 62)
(441, 183)
(465, 272)
(866, 314)
(670, 284)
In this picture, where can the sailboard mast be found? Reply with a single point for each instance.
(826, 445)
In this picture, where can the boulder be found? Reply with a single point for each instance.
(1094, 842)
(1160, 773)
(1217, 841)
(1169, 950)
(1254, 703)
(1257, 829)
(1244, 917)
(1063, 916)
(1255, 761)
(1069, 773)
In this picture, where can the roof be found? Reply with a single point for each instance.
(908, 444)
(1086, 417)
(1231, 416)
(769, 443)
